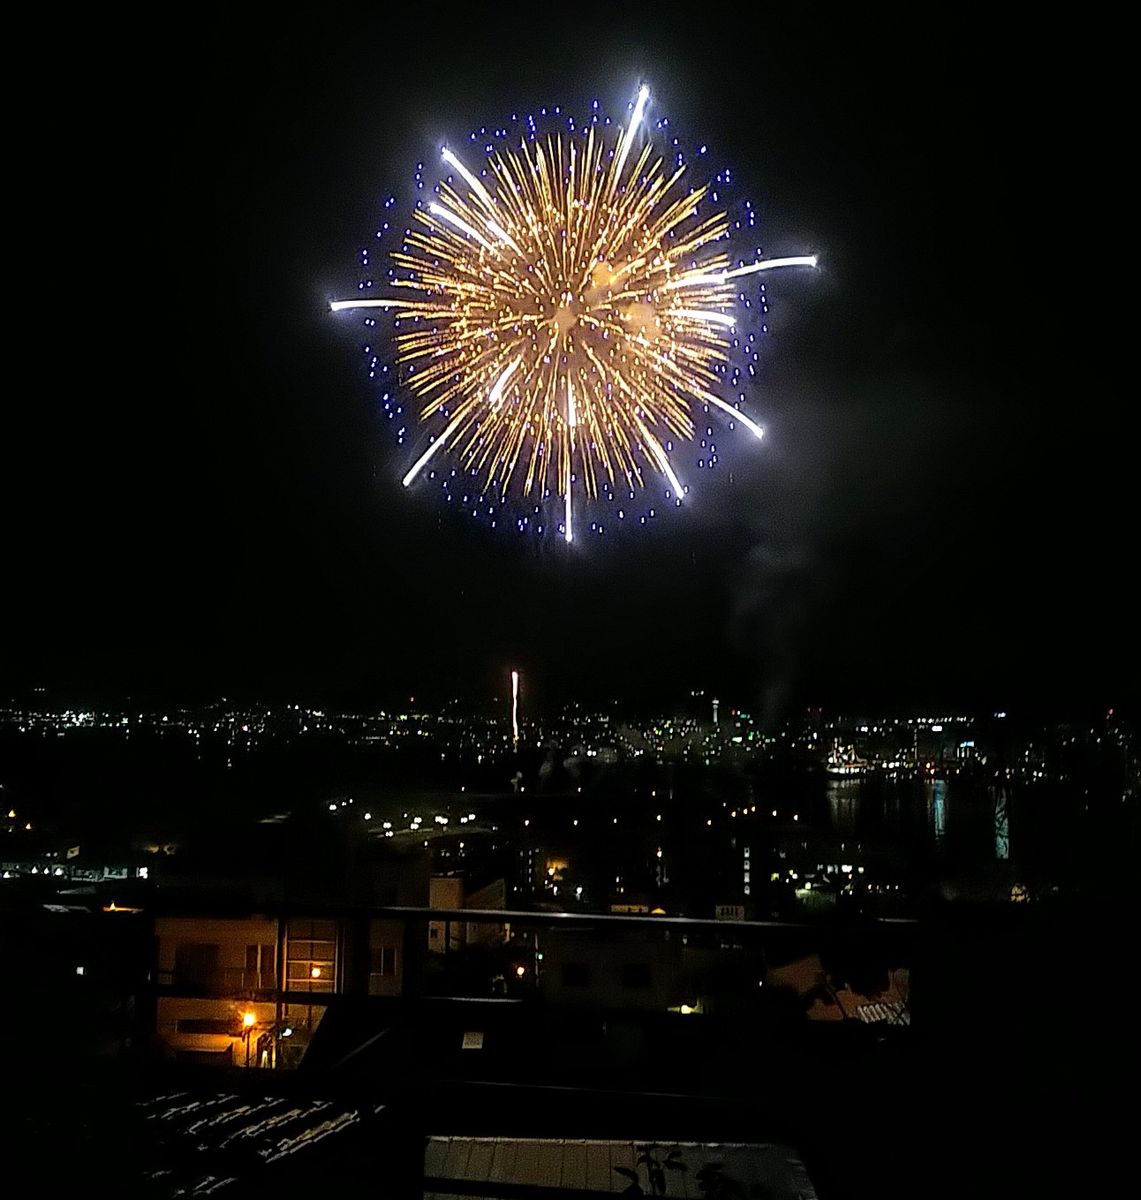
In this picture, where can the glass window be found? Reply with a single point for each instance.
(228, 1026)
(383, 960)
(311, 956)
(196, 963)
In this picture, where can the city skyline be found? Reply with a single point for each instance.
(534, 702)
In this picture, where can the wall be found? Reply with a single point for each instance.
(171, 1010)
(231, 936)
(386, 958)
(635, 971)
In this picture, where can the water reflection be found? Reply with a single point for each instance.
(843, 804)
(937, 808)
(912, 817)
(1001, 823)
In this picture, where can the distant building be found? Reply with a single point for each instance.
(251, 990)
(624, 970)
(449, 892)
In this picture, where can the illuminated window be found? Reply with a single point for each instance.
(311, 954)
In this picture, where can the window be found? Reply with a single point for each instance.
(259, 966)
(259, 958)
(382, 977)
(636, 975)
(207, 1058)
(196, 963)
(311, 956)
(383, 960)
(223, 1025)
(576, 975)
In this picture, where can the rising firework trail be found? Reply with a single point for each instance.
(514, 708)
(563, 313)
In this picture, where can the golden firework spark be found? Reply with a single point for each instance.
(563, 314)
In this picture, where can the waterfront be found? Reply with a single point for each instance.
(590, 808)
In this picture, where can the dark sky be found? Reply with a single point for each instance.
(201, 495)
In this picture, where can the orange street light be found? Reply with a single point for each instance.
(249, 1020)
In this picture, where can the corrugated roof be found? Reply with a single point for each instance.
(577, 1167)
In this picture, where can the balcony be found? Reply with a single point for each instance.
(222, 981)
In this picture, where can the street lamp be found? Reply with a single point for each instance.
(249, 1020)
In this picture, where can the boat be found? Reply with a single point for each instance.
(843, 762)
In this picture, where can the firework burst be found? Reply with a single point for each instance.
(561, 317)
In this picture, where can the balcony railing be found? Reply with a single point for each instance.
(221, 982)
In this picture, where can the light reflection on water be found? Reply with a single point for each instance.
(954, 819)
(938, 809)
(843, 804)
(1001, 823)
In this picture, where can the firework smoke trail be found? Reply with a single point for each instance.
(564, 311)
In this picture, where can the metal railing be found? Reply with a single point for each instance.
(220, 982)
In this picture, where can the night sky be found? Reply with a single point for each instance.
(201, 495)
